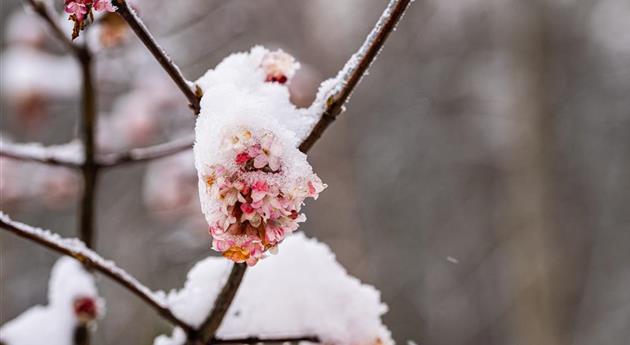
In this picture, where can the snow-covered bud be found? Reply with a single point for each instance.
(279, 66)
(85, 309)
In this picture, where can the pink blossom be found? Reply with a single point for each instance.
(78, 8)
(104, 5)
(256, 209)
(85, 309)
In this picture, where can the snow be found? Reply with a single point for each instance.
(302, 291)
(71, 152)
(54, 323)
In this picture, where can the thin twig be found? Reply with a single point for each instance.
(60, 155)
(257, 340)
(209, 327)
(355, 68)
(77, 249)
(89, 169)
(44, 11)
(146, 153)
(188, 88)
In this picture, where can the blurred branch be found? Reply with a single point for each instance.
(77, 249)
(255, 340)
(189, 90)
(146, 153)
(89, 168)
(355, 68)
(35, 152)
(44, 11)
(209, 327)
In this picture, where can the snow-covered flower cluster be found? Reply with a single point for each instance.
(73, 301)
(253, 180)
(79, 10)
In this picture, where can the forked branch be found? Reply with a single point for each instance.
(348, 77)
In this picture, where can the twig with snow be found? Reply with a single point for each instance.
(66, 155)
(77, 249)
(356, 67)
(146, 153)
(188, 88)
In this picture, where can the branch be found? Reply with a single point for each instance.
(188, 88)
(146, 153)
(89, 169)
(67, 155)
(77, 249)
(256, 340)
(355, 68)
(42, 9)
(348, 78)
(209, 327)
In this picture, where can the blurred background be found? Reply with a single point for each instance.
(480, 177)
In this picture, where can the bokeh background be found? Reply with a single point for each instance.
(480, 177)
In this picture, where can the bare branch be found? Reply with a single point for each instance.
(146, 153)
(355, 68)
(209, 327)
(66, 155)
(189, 90)
(256, 340)
(44, 11)
(77, 249)
(89, 169)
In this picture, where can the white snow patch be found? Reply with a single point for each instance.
(302, 291)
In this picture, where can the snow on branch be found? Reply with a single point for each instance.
(256, 340)
(188, 88)
(146, 153)
(77, 249)
(334, 93)
(68, 155)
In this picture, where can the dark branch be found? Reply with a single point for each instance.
(353, 72)
(42, 9)
(209, 327)
(89, 258)
(146, 153)
(89, 169)
(190, 91)
(256, 340)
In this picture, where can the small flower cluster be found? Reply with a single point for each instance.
(85, 309)
(279, 66)
(80, 9)
(257, 209)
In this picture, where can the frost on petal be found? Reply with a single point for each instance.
(72, 300)
(329, 304)
(253, 180)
